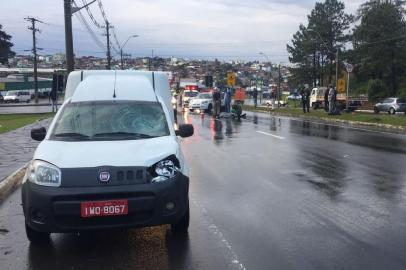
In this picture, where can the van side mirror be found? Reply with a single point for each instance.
(185, 130)
(38, 134)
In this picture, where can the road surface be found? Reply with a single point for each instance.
(266, 193)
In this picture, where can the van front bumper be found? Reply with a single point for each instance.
(58, 209)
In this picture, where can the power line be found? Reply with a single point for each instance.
(92, 18)
(100, 4)
(381, 41)
(103, 12)
(83, 21)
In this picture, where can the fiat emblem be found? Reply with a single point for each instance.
(104, 176)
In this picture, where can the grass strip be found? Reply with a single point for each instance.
(9, 122)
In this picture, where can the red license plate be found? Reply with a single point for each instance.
(104, 208)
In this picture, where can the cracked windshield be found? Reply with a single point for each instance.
(202, 134)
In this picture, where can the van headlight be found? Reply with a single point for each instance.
(44, 174)
(165, 169)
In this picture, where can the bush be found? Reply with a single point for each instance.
(376, 90)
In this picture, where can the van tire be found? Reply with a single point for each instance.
(182, 225)
(376, 110)
(392, 111)
(315, 105)
(36, 237)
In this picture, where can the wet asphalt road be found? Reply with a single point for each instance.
(266, 193)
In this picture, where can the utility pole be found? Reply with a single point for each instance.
(70, 60)
(337, 70)
(108, 26)
(121, 56)
(34, 51)
(279, 83)
(68, 12)
(150, 61)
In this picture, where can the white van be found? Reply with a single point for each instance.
(110, 159)
(17, 96)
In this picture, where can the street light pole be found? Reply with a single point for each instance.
(122, 47)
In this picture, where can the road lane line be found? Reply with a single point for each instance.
(216, 231)
(271, 135)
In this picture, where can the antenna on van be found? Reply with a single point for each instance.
(115, 79)
(153, 81)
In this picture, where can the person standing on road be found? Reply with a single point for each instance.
(216, 103)
(228, 100)
(306, 98)
(53, 98)
(255, 96)
(326, 103)
(332, 95)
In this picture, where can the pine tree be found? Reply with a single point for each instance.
(5, 46)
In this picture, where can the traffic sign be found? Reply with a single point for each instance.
(231, 78)
(349, 68)
(341, 86)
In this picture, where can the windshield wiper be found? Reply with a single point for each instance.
(72, 135)
(124, 134)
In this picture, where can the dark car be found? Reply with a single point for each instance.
(391, 105)
(1, 98)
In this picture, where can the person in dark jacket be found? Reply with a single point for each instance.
(326, 98)
(255, 96)
(216, 103)
(306, 98)
(53, 98)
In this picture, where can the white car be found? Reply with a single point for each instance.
(294, 97)
(17, 96)
(188, 95)
(204, 102)
(275, 102)
(109, 160)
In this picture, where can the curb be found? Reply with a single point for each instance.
(12, 182)
(365, 125)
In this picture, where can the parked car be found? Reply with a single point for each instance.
(391, 105)
(1, 98)
(187, 95)
(269, 102)
(17, 96)
(204, 102)
(294, 97)
(122, 164)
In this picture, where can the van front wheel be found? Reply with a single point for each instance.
(182, 225)
(36, 237)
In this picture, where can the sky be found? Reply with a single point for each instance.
(199, 29)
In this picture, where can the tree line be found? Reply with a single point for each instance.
(373, 40)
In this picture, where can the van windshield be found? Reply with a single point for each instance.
(107, 120)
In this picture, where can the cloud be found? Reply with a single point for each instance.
(171, 27)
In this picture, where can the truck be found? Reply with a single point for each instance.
(317, 99)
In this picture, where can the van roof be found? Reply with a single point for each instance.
(102, 88)
(91, 85)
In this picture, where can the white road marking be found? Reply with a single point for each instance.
(269, 134)
(216, 231)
